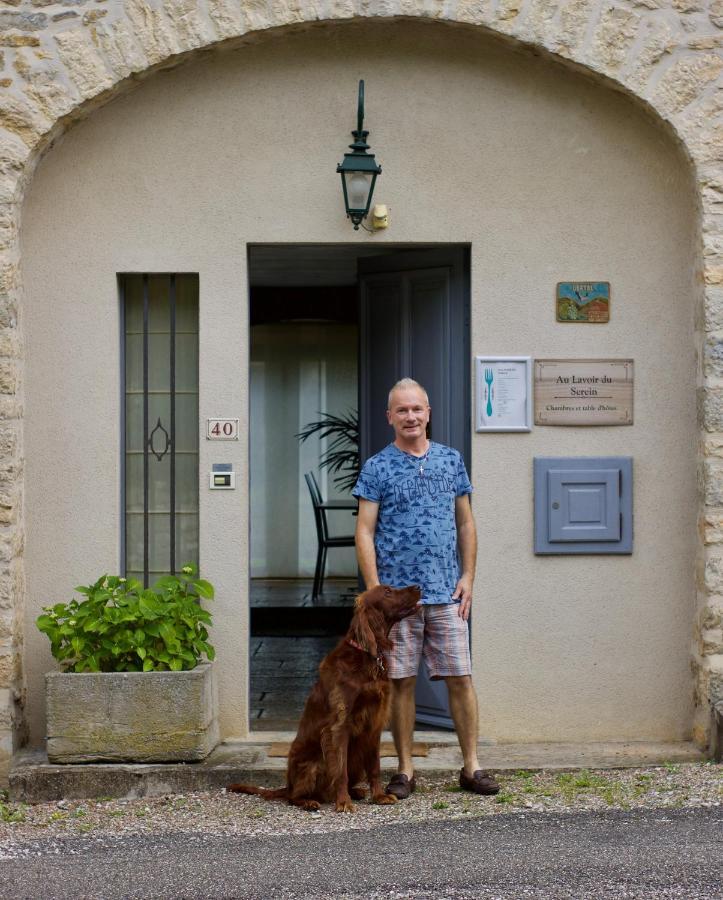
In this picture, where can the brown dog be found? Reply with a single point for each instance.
(337, 744)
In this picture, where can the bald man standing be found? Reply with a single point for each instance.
(415, 526)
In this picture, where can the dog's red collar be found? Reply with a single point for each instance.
(379, 659)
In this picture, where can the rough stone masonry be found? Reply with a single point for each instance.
(60, 60)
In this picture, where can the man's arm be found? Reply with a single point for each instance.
(366, 525)
(467, 542)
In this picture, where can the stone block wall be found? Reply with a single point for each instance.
(59, 60)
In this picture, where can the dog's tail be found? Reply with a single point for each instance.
(268, 794)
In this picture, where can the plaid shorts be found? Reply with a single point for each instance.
(437, 632)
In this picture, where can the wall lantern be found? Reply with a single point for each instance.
(358, 171)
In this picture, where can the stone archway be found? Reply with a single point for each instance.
(61, 63)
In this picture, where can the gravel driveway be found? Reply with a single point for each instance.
(664, 787)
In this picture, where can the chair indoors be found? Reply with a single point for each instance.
(325, 541)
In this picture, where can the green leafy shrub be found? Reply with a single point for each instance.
(119, 626)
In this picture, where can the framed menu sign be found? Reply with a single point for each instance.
(503, 393)
(583, 392)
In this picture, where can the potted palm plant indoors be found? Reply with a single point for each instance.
(341, 456)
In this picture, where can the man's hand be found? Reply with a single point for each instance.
(467, 540)
(463, 592)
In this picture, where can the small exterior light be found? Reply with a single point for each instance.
(358, 171)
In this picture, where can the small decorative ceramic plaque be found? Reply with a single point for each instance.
(584, 391)
(583, 301)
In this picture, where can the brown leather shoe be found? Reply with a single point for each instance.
(480, 783)
(401, 786)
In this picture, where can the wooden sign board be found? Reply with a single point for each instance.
(583, 392)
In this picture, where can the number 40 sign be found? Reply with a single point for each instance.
(222, 429)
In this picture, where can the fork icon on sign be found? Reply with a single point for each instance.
(489, 378)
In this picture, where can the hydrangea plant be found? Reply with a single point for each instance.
(119, 626)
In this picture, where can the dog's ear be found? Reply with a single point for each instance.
(362, 631)
(370, 597)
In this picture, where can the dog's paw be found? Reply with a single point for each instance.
(358, 792)
(384, 799)
(345, 806)
(310, 805)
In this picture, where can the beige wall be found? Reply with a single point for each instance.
(547, 175)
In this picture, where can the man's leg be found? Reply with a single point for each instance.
(407, 637)
(463, 706)
(403, 715)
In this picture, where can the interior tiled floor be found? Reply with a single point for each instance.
(297, 592)
(286, 655)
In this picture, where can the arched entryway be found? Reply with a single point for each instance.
(426, 208)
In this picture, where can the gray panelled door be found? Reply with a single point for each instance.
(414, 321)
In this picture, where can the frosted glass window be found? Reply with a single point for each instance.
(161, 423)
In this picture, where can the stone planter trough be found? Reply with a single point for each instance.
(131, 716)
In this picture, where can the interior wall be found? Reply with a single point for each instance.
(298, 370)
(546, 174)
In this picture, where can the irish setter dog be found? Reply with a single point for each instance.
(337, 744)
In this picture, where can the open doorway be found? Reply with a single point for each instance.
(332, 327)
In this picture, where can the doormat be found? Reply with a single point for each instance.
(281, 748)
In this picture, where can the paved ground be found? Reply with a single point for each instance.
(621, 854)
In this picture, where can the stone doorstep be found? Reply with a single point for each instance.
(33, 779)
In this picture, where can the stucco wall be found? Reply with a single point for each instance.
(547, 175)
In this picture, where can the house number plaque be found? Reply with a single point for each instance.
(222, 429)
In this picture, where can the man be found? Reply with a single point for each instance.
(415, 526)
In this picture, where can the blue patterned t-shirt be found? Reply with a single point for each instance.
(416, 533)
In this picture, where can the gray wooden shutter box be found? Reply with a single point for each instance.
(583, 505)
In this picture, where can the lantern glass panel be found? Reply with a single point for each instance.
(358, 186)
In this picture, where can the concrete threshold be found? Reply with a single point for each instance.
(33, 779)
